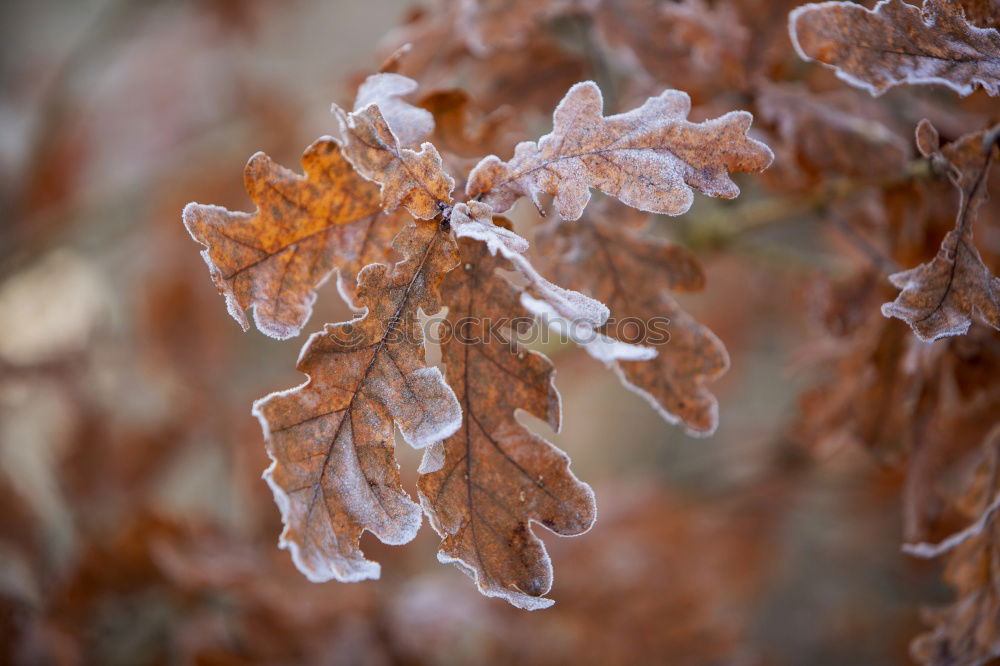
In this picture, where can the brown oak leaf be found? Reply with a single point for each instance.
(633, 274)
(898, 43)
(648, 158)
(497, 477)
(940, 298)
(334, 473)
(305, 227)
(415, 180)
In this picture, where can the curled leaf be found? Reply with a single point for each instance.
(334, 473)
(475, 220)
(497, 477)
(305, 227)
(649, 158)
(415, 180)
(940, 298)
(897, 43)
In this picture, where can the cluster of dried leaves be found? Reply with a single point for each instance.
(404, 203)
(387, 173)
(378, 187)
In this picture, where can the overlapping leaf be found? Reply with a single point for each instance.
(497, 476)
(415, 180)
(649, 158)
(941, 297)
(304, 228)
(334, 472)
(633, 274)
(899, 43)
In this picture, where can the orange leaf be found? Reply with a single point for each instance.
(304, 228)
(408, 178)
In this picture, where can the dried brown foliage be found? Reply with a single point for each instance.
(138, 529)
(485, 477)
(607, 255)
(941, 297)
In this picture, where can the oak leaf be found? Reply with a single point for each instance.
(334, 472)
(415, 180)
(633, 273)
(305, 227)
(940, 298)
(498, 477)
(898, 43)
(648, 158)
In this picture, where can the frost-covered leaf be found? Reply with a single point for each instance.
(409, 123)
(305, 227)
(497, 476)
(475, 220)
(415, 180)
(633, 274)
(334, 473)
(940, 298)
(649, 158)
(898, 43)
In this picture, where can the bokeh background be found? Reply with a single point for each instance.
(134, 526)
